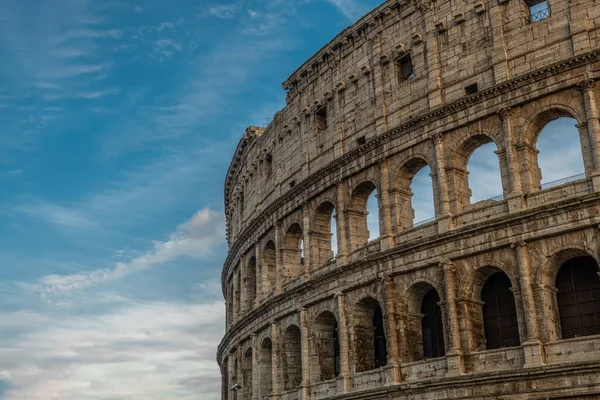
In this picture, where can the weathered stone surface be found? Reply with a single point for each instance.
(417, 83)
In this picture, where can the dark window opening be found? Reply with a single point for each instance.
(321, 118)
(292, 184)
(538, 10)
(404, 68)
(578, 297)
(379, 343)
(361, 140)
(471, 89)
(433, 333)
(269, 164)
(499, 313)
(336, 350)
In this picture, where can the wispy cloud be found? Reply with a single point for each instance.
(55, 214)
(351, 9)
(196, 238)
(158, 350)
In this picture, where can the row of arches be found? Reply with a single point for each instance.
(578, 303)
(475, 173)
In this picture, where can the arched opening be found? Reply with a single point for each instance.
(559, 156)
(321, 235)
(476, 172)
(363, 215)
(250, 283)
(268, 269)
(370, 343)
(578, 297)
(499, 313)
(265, 369)
(325, 347)
(247, 375)
(237, 303)
(414, 194)
(293, 248)
(424, 333)
(291, 358)
(431, 326)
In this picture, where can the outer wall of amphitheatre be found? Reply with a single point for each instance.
(493, 299)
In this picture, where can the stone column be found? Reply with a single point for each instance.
(588, 157)
(592, 113)
(514, 198)
(390, 294)
(255, 366)
(342, 225)
(306, 228)
(344, 345)
(243, 285)
(386, 234)
(275, 357)
(259, 278)
(304, 354)
(445, 218)
(278, 257)
(236, 296)
(454, 355)
(534, 351)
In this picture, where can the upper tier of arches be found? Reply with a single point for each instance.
(374, 209)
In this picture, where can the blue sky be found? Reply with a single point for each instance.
(117, 123)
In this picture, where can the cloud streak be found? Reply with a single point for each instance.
(196, 238)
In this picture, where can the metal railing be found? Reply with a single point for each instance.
(549, 185)
(539, 15)
(423, 222)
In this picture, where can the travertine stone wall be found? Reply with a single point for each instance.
(301, 323)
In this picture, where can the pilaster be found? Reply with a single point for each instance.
(305, 354)
(514, 198)
(341, 224)
(454, 355)
(445, 222)
(344, 343)
(276, 356)
(255, 366)
(534, 350)
(386, 234)
(390, 295)
(592, 114)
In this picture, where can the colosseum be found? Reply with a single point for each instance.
(491, 299)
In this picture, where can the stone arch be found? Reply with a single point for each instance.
(321, 233)
(247, 374)
(404, 213)
(265, 368)
(561, 308)
(370, 344)
(459, 173)
(473, 306)
(324, 347)
(293, 244)
(357, 213)
(499, 311)
(424, 334)
(268, 268)
(533, 176)
(291, 358)
(250, 283)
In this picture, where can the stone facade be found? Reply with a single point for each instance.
(497, 299)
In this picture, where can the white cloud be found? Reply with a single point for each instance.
(138, 351)
(196, 238)
(56, 214)
(225, 11)
(351, 9)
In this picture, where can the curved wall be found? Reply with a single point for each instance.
(388, 96)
